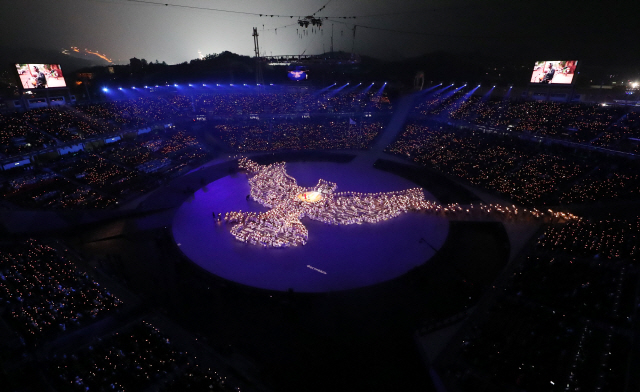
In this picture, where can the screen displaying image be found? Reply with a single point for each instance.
(40, 76)
(297, 75)
(554, 72)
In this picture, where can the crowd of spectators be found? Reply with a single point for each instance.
(106, 175)
(135, 359)
(46, 189)
(43, 293)
(521, 170)
(563, 323)
(64, 124)
(606, 182)
(19, 137)
(36, 129)
(291, 102)
(117, 113)
(609, 239)
(528, 172)
(141, 111)
(44, 297)
(526, 346)
(312, 134)
(40, 128)
(611, 127)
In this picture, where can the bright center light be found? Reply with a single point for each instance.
(310, 197)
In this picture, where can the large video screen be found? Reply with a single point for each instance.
(297, 74)
(554, 72)
(40, 76)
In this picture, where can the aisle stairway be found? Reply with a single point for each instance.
(389, 134)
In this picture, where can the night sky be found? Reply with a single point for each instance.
(122, 29)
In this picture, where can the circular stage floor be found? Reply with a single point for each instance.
(335, 258)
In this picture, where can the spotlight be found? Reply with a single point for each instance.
(146, 86)
(156, 85)
(119, 88)
(270, 84)
(204, 85)
(190, 85)
(133, 88)
(106, 90)
(175, 85)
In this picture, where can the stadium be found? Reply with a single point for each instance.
(318, 222)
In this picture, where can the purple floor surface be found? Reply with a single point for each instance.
(335, 258)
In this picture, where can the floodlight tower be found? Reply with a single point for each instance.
(256, 46)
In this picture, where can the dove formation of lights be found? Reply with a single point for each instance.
(272, 187)
(279, 227)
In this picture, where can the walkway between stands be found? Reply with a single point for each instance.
(389, 134)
